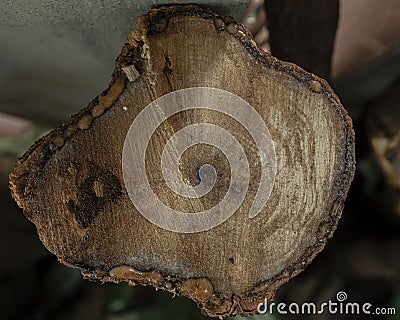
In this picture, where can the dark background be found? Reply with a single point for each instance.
(361, 259)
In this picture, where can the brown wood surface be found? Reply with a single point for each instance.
(70, 184)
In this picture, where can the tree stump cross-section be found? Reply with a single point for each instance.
(208, 168)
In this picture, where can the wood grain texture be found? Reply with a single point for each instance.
(70, 184)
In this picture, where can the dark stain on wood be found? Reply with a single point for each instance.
(94, 194)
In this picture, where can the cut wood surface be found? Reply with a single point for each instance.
(72, 184)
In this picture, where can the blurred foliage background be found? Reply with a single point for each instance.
(361, 259)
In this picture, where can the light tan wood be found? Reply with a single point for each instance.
(70, 184)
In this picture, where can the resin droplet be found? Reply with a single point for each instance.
(85, 122)
(198, 289)
(168, 285)
(231, 28)
(316, 86)
(129, 273)
(123, 272)
(154, 277)
(219, 24)
(58, 141)
(98, 110)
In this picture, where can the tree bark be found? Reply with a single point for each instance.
(303, 32)
(79, 187)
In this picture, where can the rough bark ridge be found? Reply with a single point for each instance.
(71, 185)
